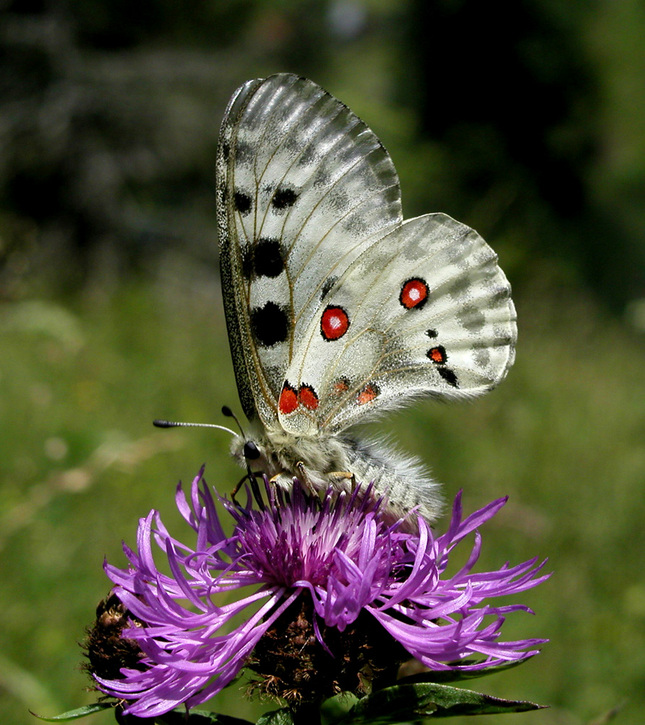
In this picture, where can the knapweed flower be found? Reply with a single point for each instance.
(338, 596)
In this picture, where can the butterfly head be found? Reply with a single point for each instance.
(251, 452)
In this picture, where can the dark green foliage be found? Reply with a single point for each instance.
(110, 113)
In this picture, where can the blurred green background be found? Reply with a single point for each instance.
(523, 118)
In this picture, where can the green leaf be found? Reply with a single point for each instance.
(404, 703)
(78, 713)
(277, 717)
(174, 717)
(337, 707)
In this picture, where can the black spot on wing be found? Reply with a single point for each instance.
(270, 324)
(501, 294)
(242, 202)
(327, 286)
(268, 258)
(284, 198)
(243, 152)
(431, 333)
(448, 375)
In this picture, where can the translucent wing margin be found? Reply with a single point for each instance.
(424, 310)
(303, 188)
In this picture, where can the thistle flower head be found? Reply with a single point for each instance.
(337, 597)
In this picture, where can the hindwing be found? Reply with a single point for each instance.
(423, 310)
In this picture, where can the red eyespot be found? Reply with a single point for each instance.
(288, 399)
(334, 323)
(414, 293)
(367, 394)
(341, 385)
(307, 396)
(437, 354)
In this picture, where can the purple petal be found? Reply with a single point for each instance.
(339, 551)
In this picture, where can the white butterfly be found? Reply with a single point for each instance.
(337, 308)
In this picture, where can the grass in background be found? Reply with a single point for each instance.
(564, 436)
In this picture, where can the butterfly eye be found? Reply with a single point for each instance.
(250, 451)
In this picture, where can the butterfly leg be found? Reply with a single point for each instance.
(238, 485)
(305, 479)
(284, 480)
(341, 476)
(251, 477)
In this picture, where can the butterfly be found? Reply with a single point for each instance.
(336, 308)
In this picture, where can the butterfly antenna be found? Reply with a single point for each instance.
(177, 424)
(230, 414)
(250, 449)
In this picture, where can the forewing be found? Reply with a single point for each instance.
(303, 187)
(424, 310)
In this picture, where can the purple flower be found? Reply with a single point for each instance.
(330, 563)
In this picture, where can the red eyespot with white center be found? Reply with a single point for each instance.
(288, 399)
(334, 323)
(414, 293)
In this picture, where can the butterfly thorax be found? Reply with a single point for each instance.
(344, 462)
(280, 454)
